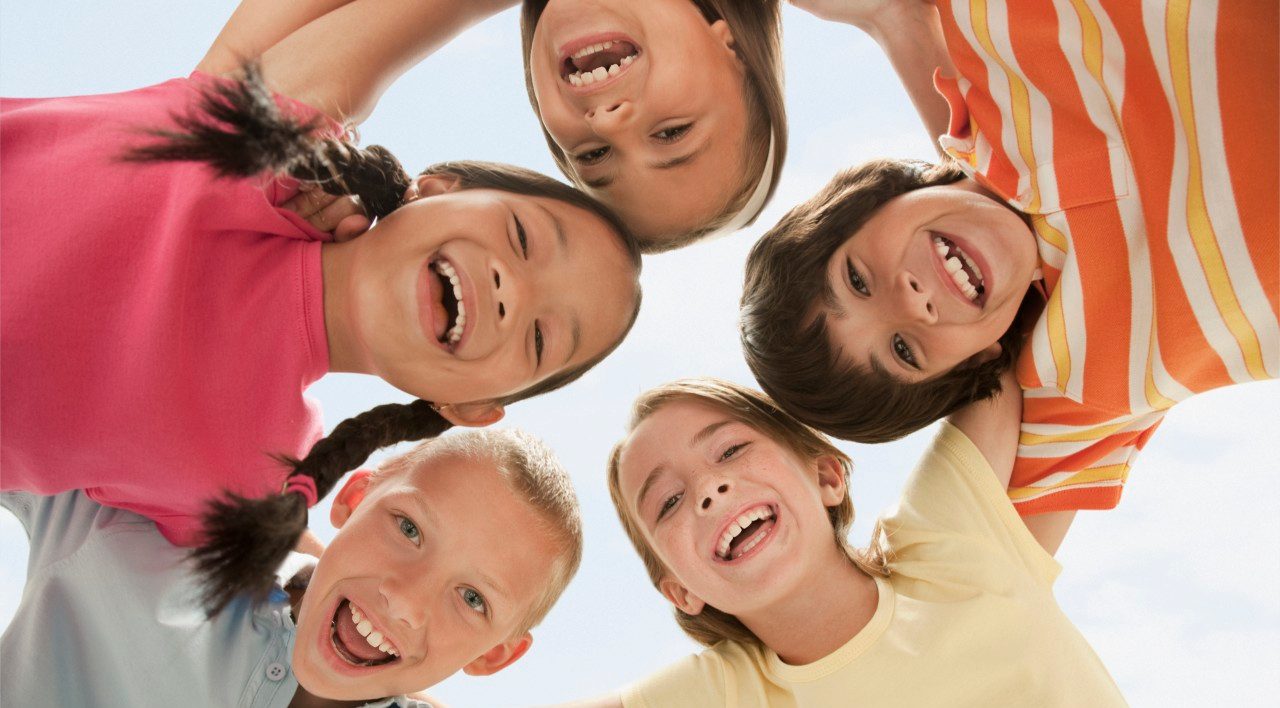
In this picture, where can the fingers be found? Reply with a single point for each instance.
(329, 217)
(342, 216)
(309, 200)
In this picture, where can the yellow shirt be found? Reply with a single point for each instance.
(966, 618)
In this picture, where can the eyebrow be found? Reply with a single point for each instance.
(648, 484)
(559, 226)
(563, 240)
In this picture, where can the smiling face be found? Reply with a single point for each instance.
(474, 295)
(931, 280)
(738, 520)
(648, 103)
(437, 565)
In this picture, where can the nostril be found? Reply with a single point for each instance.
(497, 280)
(502, 310)
(915, 285)
(613, 108)
(706, 502)
(722, 488)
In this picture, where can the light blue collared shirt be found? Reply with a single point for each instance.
(110, 616)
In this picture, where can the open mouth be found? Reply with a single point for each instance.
(356, 641)
(598, 62)
(450, 319)
(962, 269)
(746, 532)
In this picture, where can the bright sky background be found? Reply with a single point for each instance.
(1176, 589)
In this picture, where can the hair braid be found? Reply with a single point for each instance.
(237, 129)
(246, 539)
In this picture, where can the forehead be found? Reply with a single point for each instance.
(664, 434)
(482, 523)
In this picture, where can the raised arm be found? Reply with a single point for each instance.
(341, 62)
(258, 25)
(993, 427)
(910, 34)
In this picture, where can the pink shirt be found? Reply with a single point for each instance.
(157, 325)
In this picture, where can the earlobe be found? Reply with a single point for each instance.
(991, 352)
(500, 656)
(349, 497)
(472, 415)
(831, 480)
(431, 185)
(680, 596)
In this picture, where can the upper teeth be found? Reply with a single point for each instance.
(455, 333)
(592, 49)
(736, 526)
(365, 628)
(956, 270)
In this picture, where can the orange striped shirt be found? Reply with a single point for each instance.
(1141, 137)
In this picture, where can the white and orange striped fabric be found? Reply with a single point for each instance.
(1141, 137)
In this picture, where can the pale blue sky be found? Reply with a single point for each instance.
(1176, 588)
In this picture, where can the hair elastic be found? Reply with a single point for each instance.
(304, 485)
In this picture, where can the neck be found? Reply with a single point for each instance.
(345, 353)
(835, 604)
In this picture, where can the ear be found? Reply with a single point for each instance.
(349, 497)
(472, 415)
(991, 352)
(831, 480)
(500, 656)
(431, 185)
(720, 30)
(680, 596)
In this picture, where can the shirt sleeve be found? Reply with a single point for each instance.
(954, 525)
(1072, 456)
(693, 682)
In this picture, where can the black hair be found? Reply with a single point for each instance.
(237, 128)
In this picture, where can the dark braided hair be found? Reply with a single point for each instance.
(238, 129)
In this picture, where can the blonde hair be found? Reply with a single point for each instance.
(756, 26)
(531, 470)
(761, 413)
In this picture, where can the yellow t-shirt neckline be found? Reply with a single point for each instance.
(851, 650)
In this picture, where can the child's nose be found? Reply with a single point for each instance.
(917, 300)
(713, 495)
(401, 597)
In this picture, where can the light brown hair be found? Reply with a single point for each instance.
(788, 349)
(531, 470)
(756, 410)
(756, 26)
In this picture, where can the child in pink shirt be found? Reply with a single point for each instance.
(160, 323)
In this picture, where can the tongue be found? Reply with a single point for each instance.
(352, 642)
(439, 315)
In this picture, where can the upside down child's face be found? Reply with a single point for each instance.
(438, 565)
(470, 295)
(739, 521)
(659, 136)
(932, 280)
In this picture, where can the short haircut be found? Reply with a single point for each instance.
(788, 349)
(532, 472)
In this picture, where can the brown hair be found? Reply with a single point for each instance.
(787, 347)
(758, 411)
(531, 470)
(756, 26)
(237, 129)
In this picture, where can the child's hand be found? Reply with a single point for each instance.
(341, 216)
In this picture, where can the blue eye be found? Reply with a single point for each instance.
(903, 352)
(855, 279)
(668, 504)
(731, 451)
(409, 529)
(474, 600)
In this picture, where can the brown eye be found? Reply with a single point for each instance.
(672, 134)
(855, 279)
(903, 352)
(591, 157)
